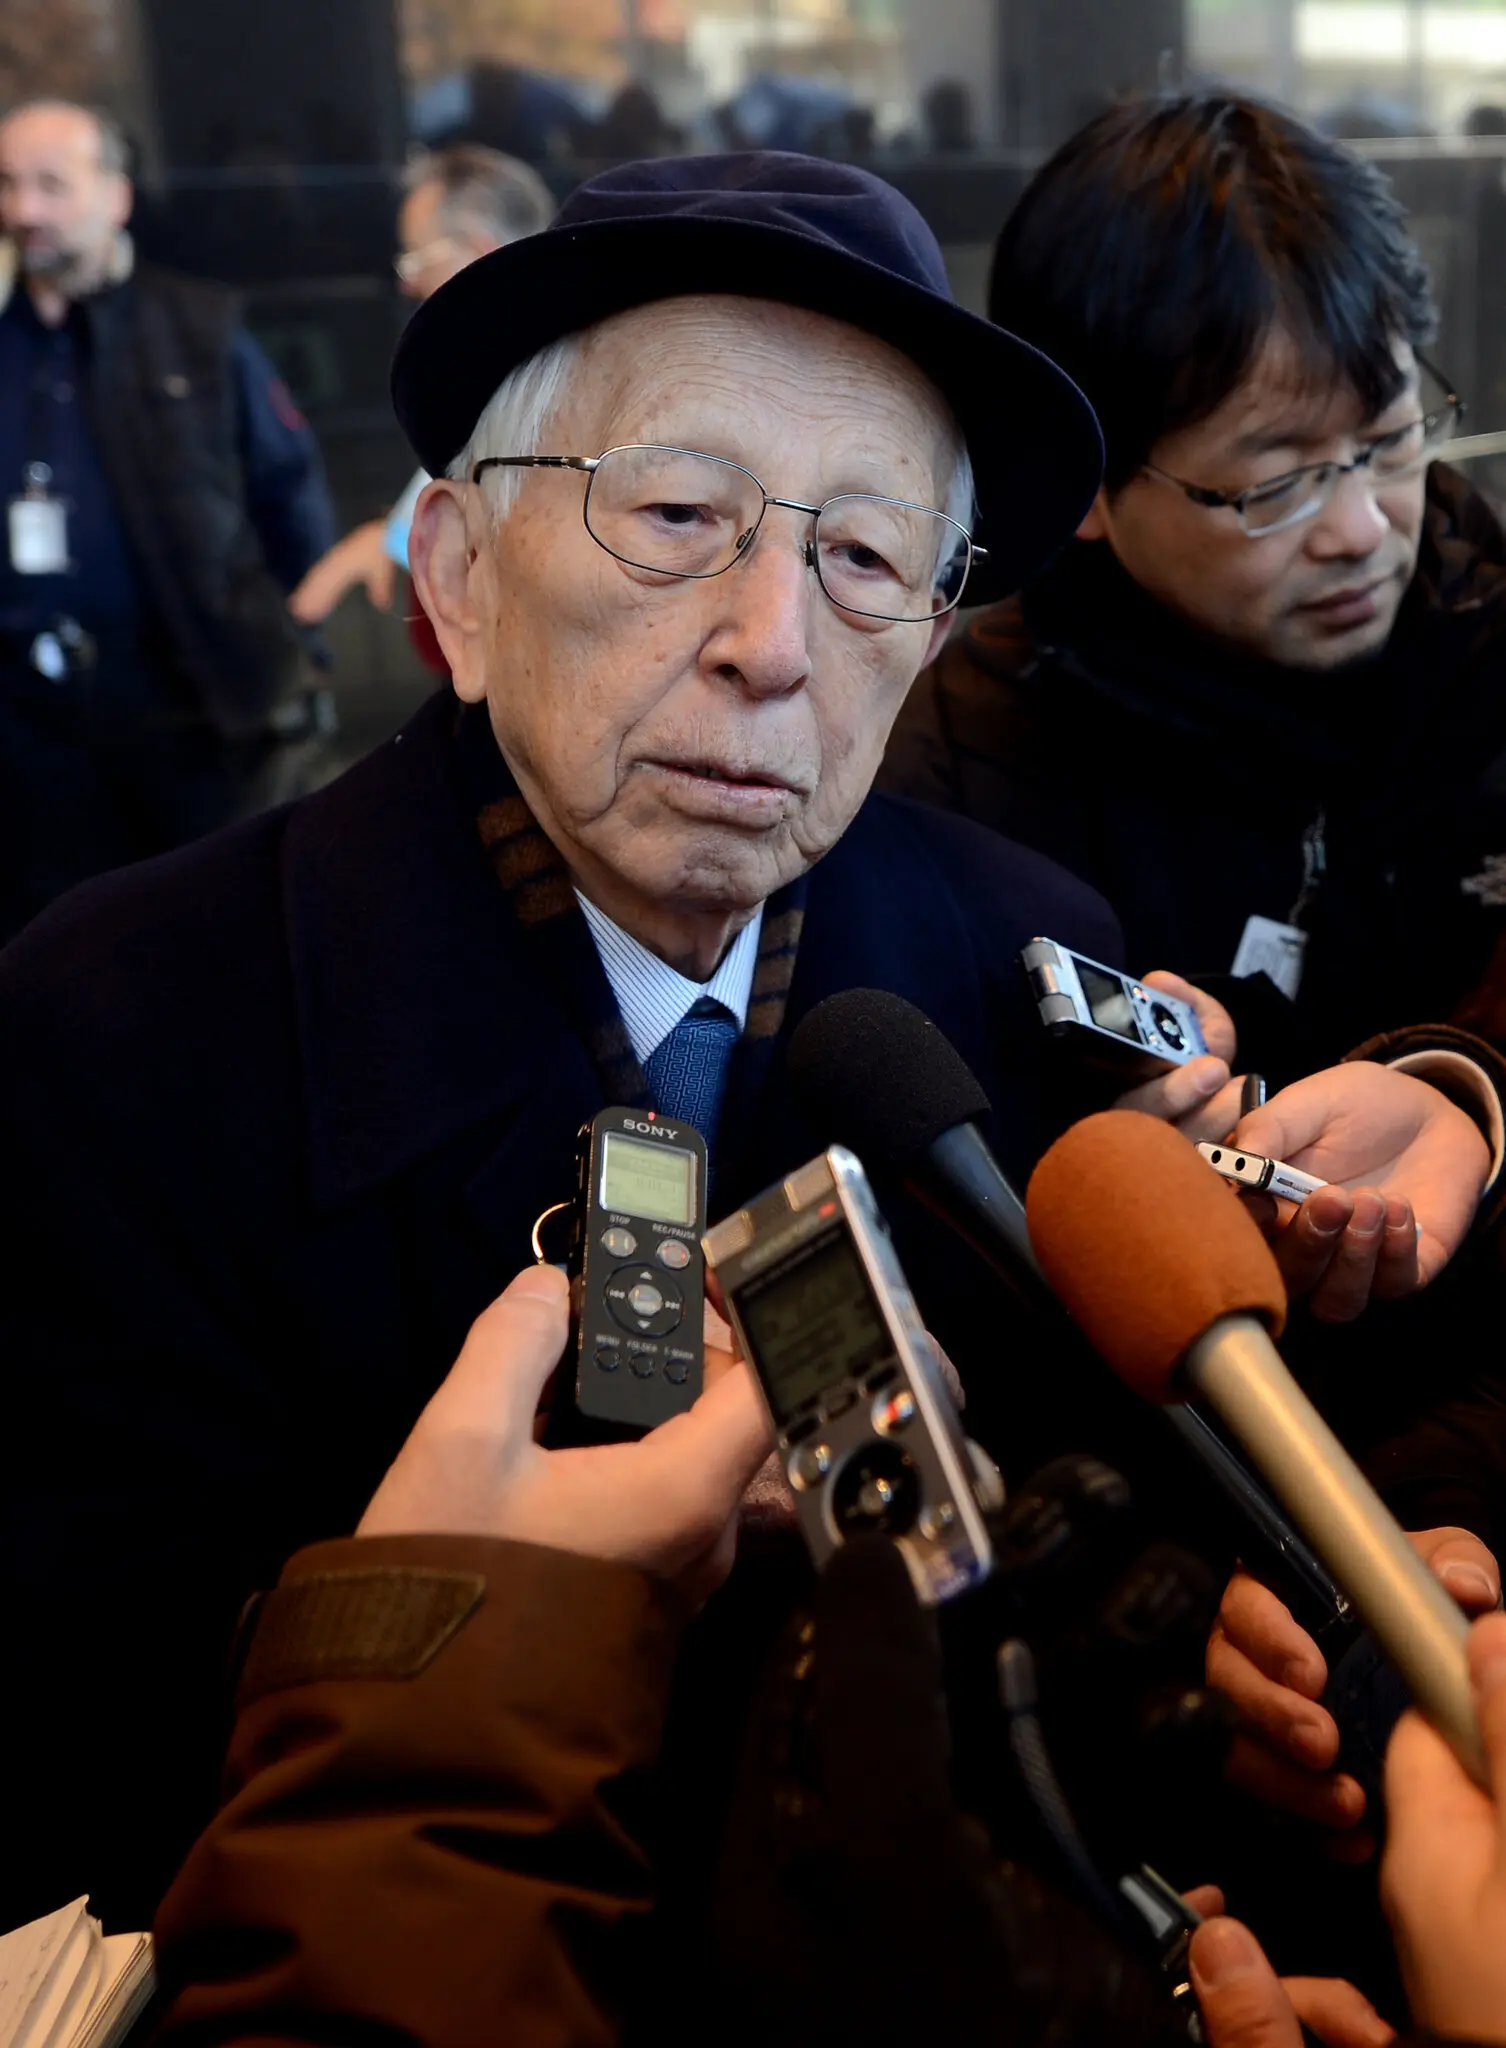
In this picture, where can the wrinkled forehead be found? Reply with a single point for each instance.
(758, 375)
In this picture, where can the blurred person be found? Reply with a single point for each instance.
(163, 496)
(699, 520)
(435, 1810)
(1257, 701)
(459, 1853)
(461, 203)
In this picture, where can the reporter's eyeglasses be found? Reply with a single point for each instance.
(1300, 494)
(412, 264)
(678, 513)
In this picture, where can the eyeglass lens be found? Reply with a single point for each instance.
(1287, 499)
(684, 514)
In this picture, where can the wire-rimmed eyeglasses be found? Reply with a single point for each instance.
(412, 263)
(676, 512)
(1300, 494)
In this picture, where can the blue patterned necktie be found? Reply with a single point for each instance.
(687, 1072)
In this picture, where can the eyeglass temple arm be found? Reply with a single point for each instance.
(585, 462)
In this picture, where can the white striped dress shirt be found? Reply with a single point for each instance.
(652, 997)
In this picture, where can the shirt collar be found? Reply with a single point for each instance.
(652, 996)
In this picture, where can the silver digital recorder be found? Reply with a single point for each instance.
(1109, 1018)
(868, 1430)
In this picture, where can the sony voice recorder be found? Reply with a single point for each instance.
(637, 1277)
(868, 1430)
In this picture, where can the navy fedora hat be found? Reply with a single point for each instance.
(766, 224)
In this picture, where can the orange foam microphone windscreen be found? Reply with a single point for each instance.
(1145, 1245)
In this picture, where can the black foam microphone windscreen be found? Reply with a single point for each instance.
(879, 1076)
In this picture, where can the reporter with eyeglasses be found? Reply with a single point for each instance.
(1257, 702)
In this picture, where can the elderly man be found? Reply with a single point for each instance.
(459, 204)
(279, 1112)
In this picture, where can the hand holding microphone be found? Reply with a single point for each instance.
(1273, 1673)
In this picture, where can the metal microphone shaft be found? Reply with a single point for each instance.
(1237, 1369)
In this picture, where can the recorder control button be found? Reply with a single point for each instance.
(935, 1521)
(810, 1466)
(673, 1253)
(642, 1364)
(643, 1302)
(677, 1372)
(620, 1243)
(897, 1413)
(608, 1357)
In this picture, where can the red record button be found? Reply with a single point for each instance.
(895, 1414)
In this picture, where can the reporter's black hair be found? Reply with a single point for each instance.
(1161, 245)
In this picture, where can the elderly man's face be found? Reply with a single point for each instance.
(692, 746)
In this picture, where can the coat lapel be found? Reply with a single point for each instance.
(421, 1014)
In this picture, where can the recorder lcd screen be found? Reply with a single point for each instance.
(654, 1181)
(813, 1324)
(1108, 999)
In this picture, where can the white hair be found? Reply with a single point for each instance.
(525, 402)
(515, 419)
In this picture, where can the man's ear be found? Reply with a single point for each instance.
(1096, 525)
(441, 555)
(122, 199)
(938, 636)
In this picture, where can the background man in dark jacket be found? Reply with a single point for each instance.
(1259, 701)
(164, 495)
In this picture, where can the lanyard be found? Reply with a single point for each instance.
(1314, 868)
(39, 470)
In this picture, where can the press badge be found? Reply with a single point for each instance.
(38, 535)
(1274, 949)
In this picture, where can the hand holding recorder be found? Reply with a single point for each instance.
(472, 1467)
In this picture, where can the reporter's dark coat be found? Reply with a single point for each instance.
(276, 1116)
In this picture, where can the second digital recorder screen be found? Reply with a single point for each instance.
(813, 1324)
(1108, 999)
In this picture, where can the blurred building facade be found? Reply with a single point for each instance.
(272, 134)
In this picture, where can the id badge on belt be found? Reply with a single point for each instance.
(38, 527)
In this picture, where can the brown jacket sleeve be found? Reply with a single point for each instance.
(428, 1834)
